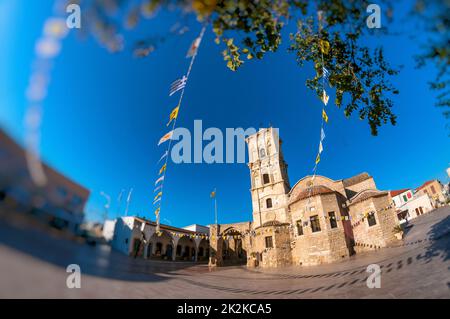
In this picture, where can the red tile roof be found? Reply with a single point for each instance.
(397, 192)
(425, 184)
(313, 191)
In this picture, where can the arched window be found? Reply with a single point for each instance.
(262, 153)
(269, 203)
(266, 179)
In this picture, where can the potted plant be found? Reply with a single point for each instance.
(398, 232)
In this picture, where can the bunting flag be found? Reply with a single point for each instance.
(325, 73)
(324, 116)
(177, 85)
(325, 97)
(194, 46)
(163, 168)
(163, 156)
(166, 137)
(173, 114)
(317, 159)
(159, 180)
(320, 148)
(213, 194)
(322, 134)
(157, 196)
(324, 46)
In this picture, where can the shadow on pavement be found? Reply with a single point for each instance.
(101, 261)
(439, 234)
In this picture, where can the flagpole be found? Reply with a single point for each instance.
(215, 205)
(128, 201)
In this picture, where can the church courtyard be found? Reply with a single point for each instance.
(33, 265)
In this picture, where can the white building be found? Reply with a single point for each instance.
(420, 204)
(137, 237)
(197, 228)
(409, 205)
(401, 196)
(108, 229)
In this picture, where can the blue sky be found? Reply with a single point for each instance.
(105, 113)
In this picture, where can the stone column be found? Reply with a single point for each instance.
(197, 242)
(215, 249)
(146, 251)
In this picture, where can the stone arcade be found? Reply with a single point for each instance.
(318, 220)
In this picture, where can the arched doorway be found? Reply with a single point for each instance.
(233, 252)
(185, 249)
(169, 252)
(203, 250)
(160, 246)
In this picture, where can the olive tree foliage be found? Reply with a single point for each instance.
(329, 33)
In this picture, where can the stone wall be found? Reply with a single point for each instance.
(328, 244)
(277, 256)
(218, 240)
(382, 233)
(352, 190)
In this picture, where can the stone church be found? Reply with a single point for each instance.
(318, 220)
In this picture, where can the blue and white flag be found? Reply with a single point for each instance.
(177, 85)
(163, 156)
(157, 200)
(322, 134)
(326, 73)
(159, 180)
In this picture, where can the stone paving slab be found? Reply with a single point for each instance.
(33, 266)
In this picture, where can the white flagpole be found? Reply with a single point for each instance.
(128, 201)
(119, 201)
(215, 205)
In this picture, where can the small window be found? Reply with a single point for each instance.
(371, 219)
(433, 190)
(262, 153)
(266, 179)
(299, 228)
(405, 198)
(269, 242)
(409, 195)
(315, 223)
(269, 203)
(332, 217)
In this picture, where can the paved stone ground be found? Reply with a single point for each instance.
(32, 265)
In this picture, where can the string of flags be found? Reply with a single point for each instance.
(176, 86)
(324, 49)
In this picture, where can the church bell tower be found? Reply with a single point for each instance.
(269, 179)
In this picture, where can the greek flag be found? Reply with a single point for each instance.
(177, 85)
(325, 73)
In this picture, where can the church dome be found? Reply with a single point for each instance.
(309, 192)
